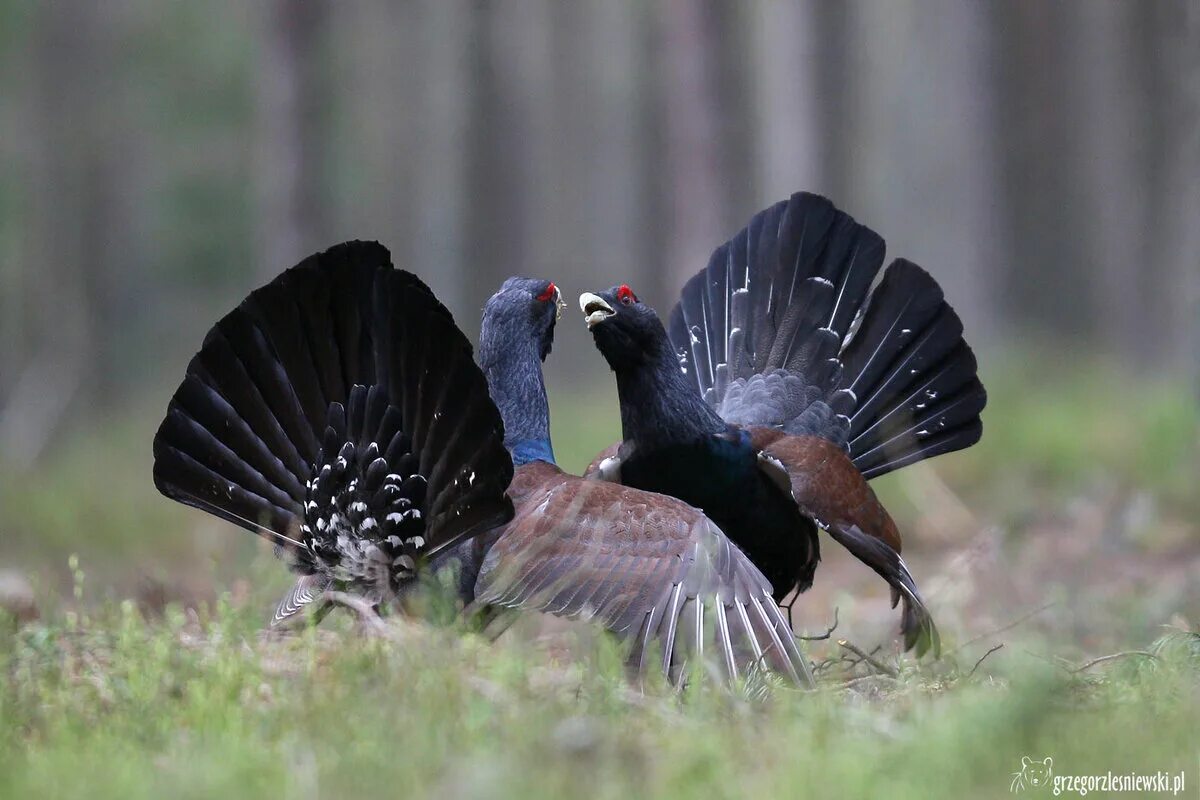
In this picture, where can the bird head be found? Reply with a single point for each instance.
(523, 307)
(627, 332)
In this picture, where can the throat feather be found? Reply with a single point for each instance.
(659, 406)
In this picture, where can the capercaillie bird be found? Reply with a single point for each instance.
(783, 383)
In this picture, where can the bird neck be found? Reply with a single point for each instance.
(513, 370)
(659, 406)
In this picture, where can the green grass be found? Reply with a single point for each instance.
(199, 705)
(1067, 422)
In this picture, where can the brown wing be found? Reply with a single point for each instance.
(650, 568)
(830, 489)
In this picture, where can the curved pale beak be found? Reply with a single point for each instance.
(595, 309)
(558, 304)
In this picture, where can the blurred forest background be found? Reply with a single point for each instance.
(1041, 159)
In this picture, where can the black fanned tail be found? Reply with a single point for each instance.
(275, 380)
(909, 383)
(760, 329)
(778, 330)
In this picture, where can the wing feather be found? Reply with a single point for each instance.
(652, 569)
(829, 489)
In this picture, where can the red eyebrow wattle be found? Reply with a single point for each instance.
(546, 295)
(624, 291)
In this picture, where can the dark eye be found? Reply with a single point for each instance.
(625, 295)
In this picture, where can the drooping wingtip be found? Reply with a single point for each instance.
(917, 626)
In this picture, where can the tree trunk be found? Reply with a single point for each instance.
(510, 172)
(292, 110)
(926, 180)
(1111, 172)
(72, 235)
(1171, 46)
(442, 199)
(695, 218)
(789, 115)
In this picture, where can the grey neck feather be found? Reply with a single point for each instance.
(511, 363)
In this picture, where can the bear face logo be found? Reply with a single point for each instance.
(1034, 774)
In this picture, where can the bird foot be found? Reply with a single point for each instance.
(368, 617)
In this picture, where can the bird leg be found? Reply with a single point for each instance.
(367, 615)
(828, 631)
(788, 608)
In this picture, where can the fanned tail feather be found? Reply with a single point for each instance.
(341, 347)
(909, 385)
(778, 330)
(776, 300)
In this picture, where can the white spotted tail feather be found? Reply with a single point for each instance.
(365, 503)
(909, 387)
(333, 356)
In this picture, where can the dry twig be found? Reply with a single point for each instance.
(850, 684)
(864, 656)
(1113, 657)
(980, 661)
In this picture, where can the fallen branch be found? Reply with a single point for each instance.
(826, 663)
(1113, 657)
(850, 684)
(864, 656)
(1045, 658)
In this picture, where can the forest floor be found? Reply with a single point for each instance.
(1060, 557)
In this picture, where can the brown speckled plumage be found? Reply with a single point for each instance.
(650, 568)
